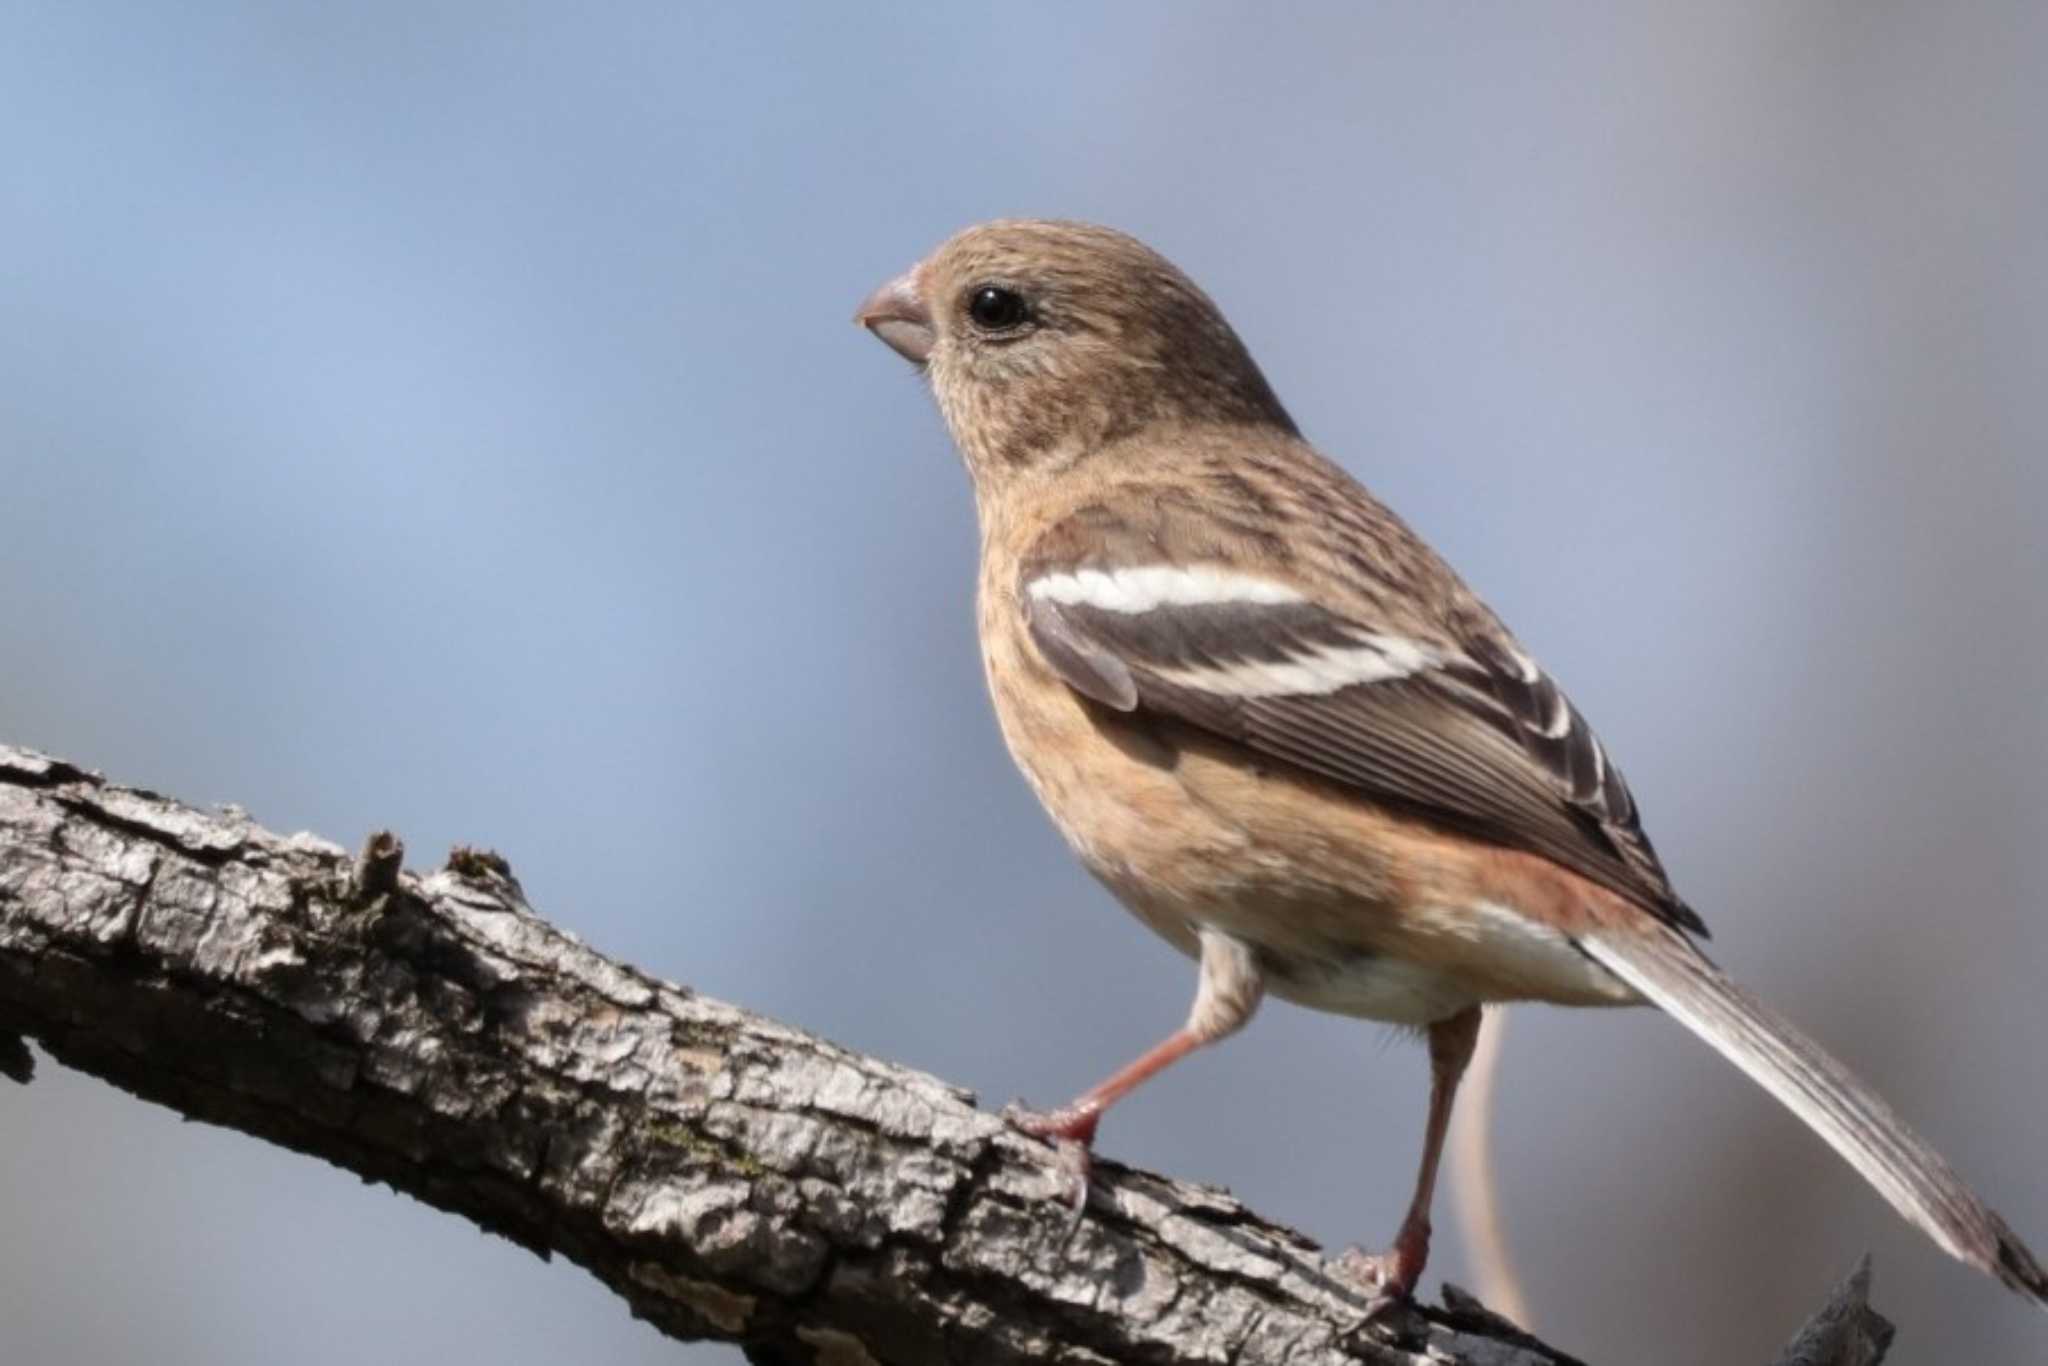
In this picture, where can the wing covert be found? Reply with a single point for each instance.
(1463, 726)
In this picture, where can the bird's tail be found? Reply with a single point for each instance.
(1667, 968)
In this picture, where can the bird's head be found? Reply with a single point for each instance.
(1049, 342)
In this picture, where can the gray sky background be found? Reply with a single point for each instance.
(446, 416)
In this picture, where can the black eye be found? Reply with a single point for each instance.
(995, 309)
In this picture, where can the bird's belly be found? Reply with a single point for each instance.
(1445, 960)
(1455, 957)
(1368, 986)
(1342, 930)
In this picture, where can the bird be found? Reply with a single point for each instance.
(1284, 733)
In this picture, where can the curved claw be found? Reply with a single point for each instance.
(1071, 1131)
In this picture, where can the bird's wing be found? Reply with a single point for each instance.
(1456, 723)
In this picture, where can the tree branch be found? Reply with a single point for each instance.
(727, 1176)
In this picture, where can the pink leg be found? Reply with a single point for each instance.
(1076, 1120)
(1227, 992)
(1450, 1048)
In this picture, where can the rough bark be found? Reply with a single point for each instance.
(1846, 1331)
(727, 1176)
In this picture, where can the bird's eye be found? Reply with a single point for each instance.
(995, 309)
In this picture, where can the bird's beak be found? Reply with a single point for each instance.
(896, 314)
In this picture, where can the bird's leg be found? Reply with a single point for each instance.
(1227, 991)
(1075, 1121)
(1395, 1271)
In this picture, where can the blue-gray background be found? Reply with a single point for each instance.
(446, 416)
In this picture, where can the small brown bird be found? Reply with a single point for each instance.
(1285, 734)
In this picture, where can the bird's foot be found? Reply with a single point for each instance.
(1390, 1276)
(1071, 1131)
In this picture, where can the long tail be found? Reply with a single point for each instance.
(1670, 971)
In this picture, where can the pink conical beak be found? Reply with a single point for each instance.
(897, 314)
